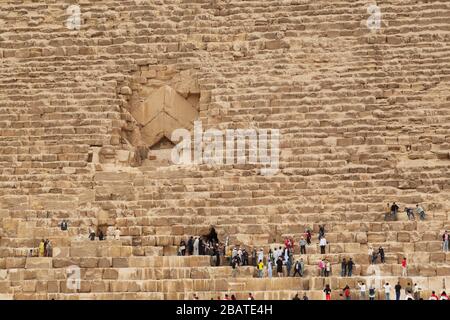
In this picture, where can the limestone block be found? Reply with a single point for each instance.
(403, 237)
(110, 274)
(120, 262)
(38, 263)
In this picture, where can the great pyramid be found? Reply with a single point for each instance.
(91, 92)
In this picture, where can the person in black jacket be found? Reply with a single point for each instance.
(398, 289)
(381, 253)
(350, 265)
(280, 267)
(190, 246)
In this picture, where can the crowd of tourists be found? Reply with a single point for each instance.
(370, 292)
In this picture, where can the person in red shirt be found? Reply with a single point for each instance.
(444, 296)
(404, 268)
(433, 296)
(347, 292)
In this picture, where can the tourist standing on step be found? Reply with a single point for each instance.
(371, 293)
(445, 241)
(347, 293)
(296, 268)
(48, 249)
(196, 246)
(269, 268)
(254, 257)
(387, 291)
(260, 255)
(321, 267)
(91, 234)
(322, 244)
(280, 267)
(374, 257)
(443, 296)
(404, 268)
(260, 269)
(321, 231)
(394, 210)
(362, 290)
(235, 266)
(303, 245)
(63, 225)
(350, 265)
(308, 237)
(343, 267)
(302, 267)
(381, 253)
(289, 263)
(327, 268)
(217, 253)
(420, 212)
(327, 291)
(370, 254)
(398, 289)
(409, 213)
(182, 248)
(244, 257)
(190, 246)
(41, 248)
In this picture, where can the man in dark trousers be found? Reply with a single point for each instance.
(398, 289)
(343, 267)
(190, 246)
(381, 253)
(394, 210)
(350, 265)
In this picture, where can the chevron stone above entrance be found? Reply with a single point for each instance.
(162, 112)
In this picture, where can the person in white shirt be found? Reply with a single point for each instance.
(117, 234)
(196, 246)
(322, 244)
(261, 255)
(362, 289)
(387, 291)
